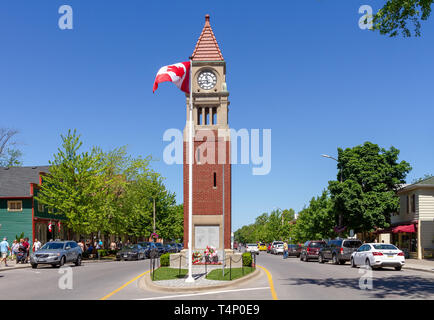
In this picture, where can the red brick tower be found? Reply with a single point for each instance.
(211, 147)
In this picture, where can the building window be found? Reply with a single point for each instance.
(408, 204)
(50, 210)
(215, 180)
(41, 207)
(413, 203)
(15, 205)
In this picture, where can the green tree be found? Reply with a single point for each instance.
(395, 16)
(366, 196)
(315, 221)
(75, 185)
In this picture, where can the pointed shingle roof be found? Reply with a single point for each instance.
(207, 48)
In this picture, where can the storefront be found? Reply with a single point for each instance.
(403, 235)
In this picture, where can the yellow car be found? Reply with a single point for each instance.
(262, 246)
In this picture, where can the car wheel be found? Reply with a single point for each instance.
(34, 265)
(62, 261)
(78, 261)
(368, 263)
(398, 268)
(335, 259)
(306, 259)
(320, 259)
(353, 265)
(301, 258)
(341, 262)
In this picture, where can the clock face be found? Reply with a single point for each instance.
(207, 80)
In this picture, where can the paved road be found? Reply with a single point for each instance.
(291, 278)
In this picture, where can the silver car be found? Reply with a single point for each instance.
(57, 253)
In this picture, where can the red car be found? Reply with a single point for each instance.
(311, 249)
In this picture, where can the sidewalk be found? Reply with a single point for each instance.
(421, 265)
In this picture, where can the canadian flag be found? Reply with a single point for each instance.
(178, 73)
(58, 226)
(50, 228)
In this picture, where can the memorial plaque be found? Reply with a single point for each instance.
(206, 236)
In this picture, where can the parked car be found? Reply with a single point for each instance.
(294, 250)
(377, 255)
(170, 248)
(338, 251)
(262, 246)
(273, 244)
(311, 249)
(131, 252)
(277, 248)
(148, 247)
(252, 247)
(160, 247)
(57, 253)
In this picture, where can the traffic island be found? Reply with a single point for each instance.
(177, 282)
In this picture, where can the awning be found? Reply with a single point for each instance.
(407, 228)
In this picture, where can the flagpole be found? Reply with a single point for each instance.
(190, 183)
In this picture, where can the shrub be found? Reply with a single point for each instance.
(165, 260)
(247, 259)
(102, 253)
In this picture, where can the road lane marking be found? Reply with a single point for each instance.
(203, 293)
(123, 286)
(270, 281)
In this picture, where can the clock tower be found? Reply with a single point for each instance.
(211, 214)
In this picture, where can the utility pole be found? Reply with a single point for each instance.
(154, 214)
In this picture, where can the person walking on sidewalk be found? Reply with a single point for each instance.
(285, 250)
(15, 246)
(4, 250)
(36, 245)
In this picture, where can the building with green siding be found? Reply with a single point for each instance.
(20, 212)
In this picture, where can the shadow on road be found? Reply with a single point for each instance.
(404, 286)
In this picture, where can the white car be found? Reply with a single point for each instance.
(377, 255)
(277, 249)
(273, 246)
(252, 247)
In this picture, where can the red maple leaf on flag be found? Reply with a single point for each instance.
(179, 71)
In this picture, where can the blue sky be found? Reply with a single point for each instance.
(301, 68)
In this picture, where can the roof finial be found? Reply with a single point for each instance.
(207, 18)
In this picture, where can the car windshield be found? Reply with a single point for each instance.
(262, 244)
(252, 245)
(352, 244)
(132, 246)
(316, 244)
(384, 247)
(158, 244)
(53, 246)
(292, 246)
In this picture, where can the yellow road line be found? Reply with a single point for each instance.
(126, 284)
(270, 281)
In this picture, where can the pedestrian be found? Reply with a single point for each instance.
(81, 245)
(285, 250)
(15, 246)
(26, 245)
(113, 246)
(36, 245)
(4, 250)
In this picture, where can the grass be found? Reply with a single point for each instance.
(229, 275)
(167, 273)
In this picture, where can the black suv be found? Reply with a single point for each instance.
(338, 251)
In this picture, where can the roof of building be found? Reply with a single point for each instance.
(15, 181)
(207, 48)
(428, 182)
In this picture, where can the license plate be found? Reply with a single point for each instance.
(390, 256)
(41, 260)
(125, 255)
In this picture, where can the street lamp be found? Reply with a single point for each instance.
(333, 158)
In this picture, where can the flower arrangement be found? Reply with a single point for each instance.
(197, 257)
(210, 254)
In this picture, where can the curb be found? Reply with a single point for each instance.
(417, 269)
(146, 283)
